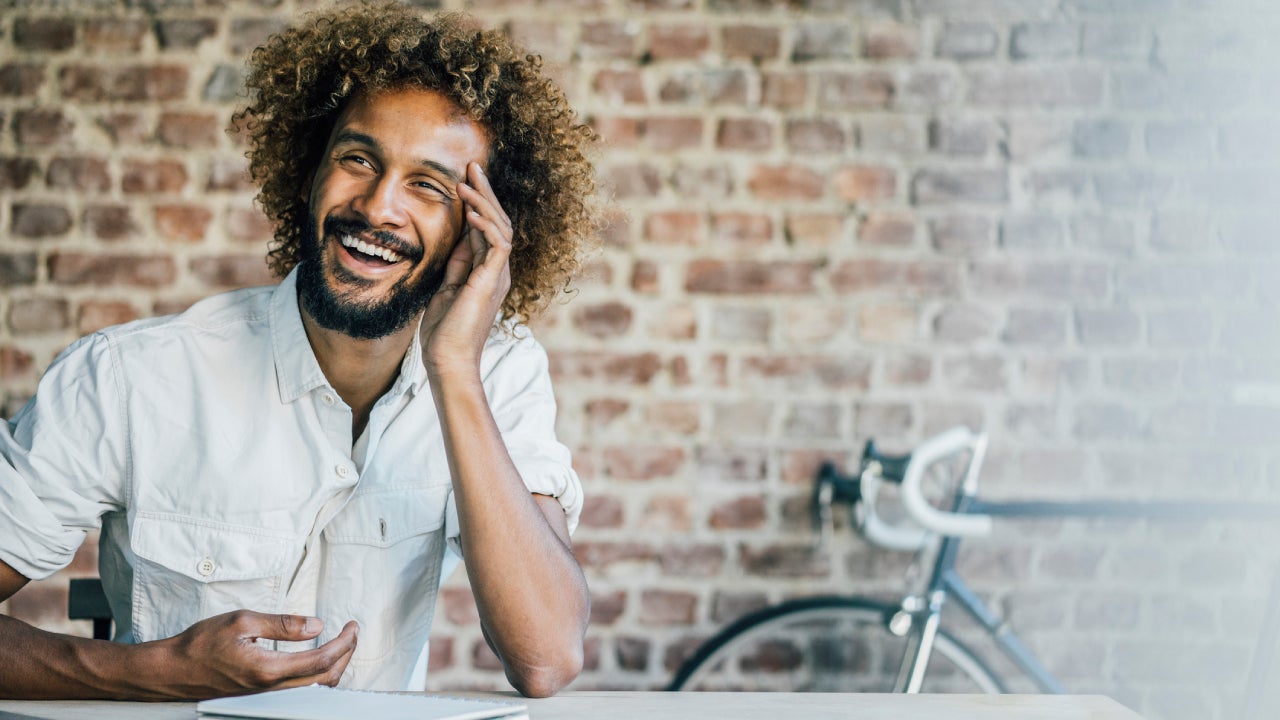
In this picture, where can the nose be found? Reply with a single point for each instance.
(382, 203)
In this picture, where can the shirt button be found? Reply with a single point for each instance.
(343, 471)
(206, 567)
(327, 398)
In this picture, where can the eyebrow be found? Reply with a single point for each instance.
(352, 136)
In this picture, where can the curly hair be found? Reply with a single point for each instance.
(300, 79)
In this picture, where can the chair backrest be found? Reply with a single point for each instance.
(87, 601)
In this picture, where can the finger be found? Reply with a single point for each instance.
(486, 205)
(494, 237)
(487, 199)
(308, 666)
(278, 627)
(458, 266)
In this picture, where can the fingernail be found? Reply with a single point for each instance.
(313, 625)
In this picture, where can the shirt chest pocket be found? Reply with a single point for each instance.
(189, 569)
(382, 567)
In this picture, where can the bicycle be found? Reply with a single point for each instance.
(838, 643)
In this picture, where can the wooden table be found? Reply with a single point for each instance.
(692, 706)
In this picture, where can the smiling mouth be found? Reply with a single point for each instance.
(368, 252)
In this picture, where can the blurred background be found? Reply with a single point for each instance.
(831, 220)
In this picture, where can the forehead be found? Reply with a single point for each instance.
(413, 119)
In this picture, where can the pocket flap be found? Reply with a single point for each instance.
(384, 517)
(209, 551)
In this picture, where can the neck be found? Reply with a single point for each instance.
(360, 370)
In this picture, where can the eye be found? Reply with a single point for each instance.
(356, 160)
(430, 186)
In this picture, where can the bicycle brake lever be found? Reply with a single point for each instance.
(823, 496)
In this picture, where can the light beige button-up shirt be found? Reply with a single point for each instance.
(220, 465)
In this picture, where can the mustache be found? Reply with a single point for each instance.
(338, 226)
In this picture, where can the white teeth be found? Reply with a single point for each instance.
(367, 249)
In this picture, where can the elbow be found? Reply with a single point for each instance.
(545, 680)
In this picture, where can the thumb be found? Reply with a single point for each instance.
(284, 627)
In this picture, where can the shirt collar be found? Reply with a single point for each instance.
(297, 370)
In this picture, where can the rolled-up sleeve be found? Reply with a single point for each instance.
(517, 382)
(63, 460)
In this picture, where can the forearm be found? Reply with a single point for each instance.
(530, 591)
(40, 665)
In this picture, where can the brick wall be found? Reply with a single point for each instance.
(834, 219)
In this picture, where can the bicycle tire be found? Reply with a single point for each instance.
(825, 644)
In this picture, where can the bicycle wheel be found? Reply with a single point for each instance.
(825, 644)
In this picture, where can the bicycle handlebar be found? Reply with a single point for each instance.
(938, 447)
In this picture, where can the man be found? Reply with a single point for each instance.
(278, 472)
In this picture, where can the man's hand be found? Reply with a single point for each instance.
(476, 280)
(219, 656)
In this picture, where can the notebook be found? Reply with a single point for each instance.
(316, 702)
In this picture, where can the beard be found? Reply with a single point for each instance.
(321, 293)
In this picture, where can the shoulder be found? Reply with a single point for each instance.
(218, 315)
(511, 346)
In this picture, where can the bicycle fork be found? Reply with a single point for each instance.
(919, 621)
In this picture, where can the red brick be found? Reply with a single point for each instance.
(727, 86)
(601, 555)
(42, 127)
(675, 227)
(785, 561)
(821, 41)
(749, 277)
(39, 220)
(603, 320)
(633, 180)
(644, 277)
(482, 657)
(16, 172)
(887, 322)
(643, 462)
(866, 183)
(666, 513)
(153, 176)
(890, 42)
(815, 230)
(665, 134)
(83, 174)
(806, 372)
(17, 269)
(682, 418)
(855, 90)
(602, 511)
(785, 90)
(21, 79)
(115, 35)
(440, 655)
(188, 130)
(183, 223)
(701, 560)
(616, 132)
(138, 83)
(184, 33)
(459, 606)
(711, 182)
(676, 321)
(666, 607)
(48, 34)
(729, 606)
(632, 653)
(908, 370)
(887, 230)
(620, 87)
(126, 128)
(678, 42)
(232, 271)
(785, 182)
(16, 364)
(606, 609)
(816, 135)
(95, 315)
(76, 268)
(744, 134)
(741, 228)
(611, 368)
(754, 42)
(742, 513)
(31, 316)
(918, 278)
(249, 33)
(109, 222)
(608, 39)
